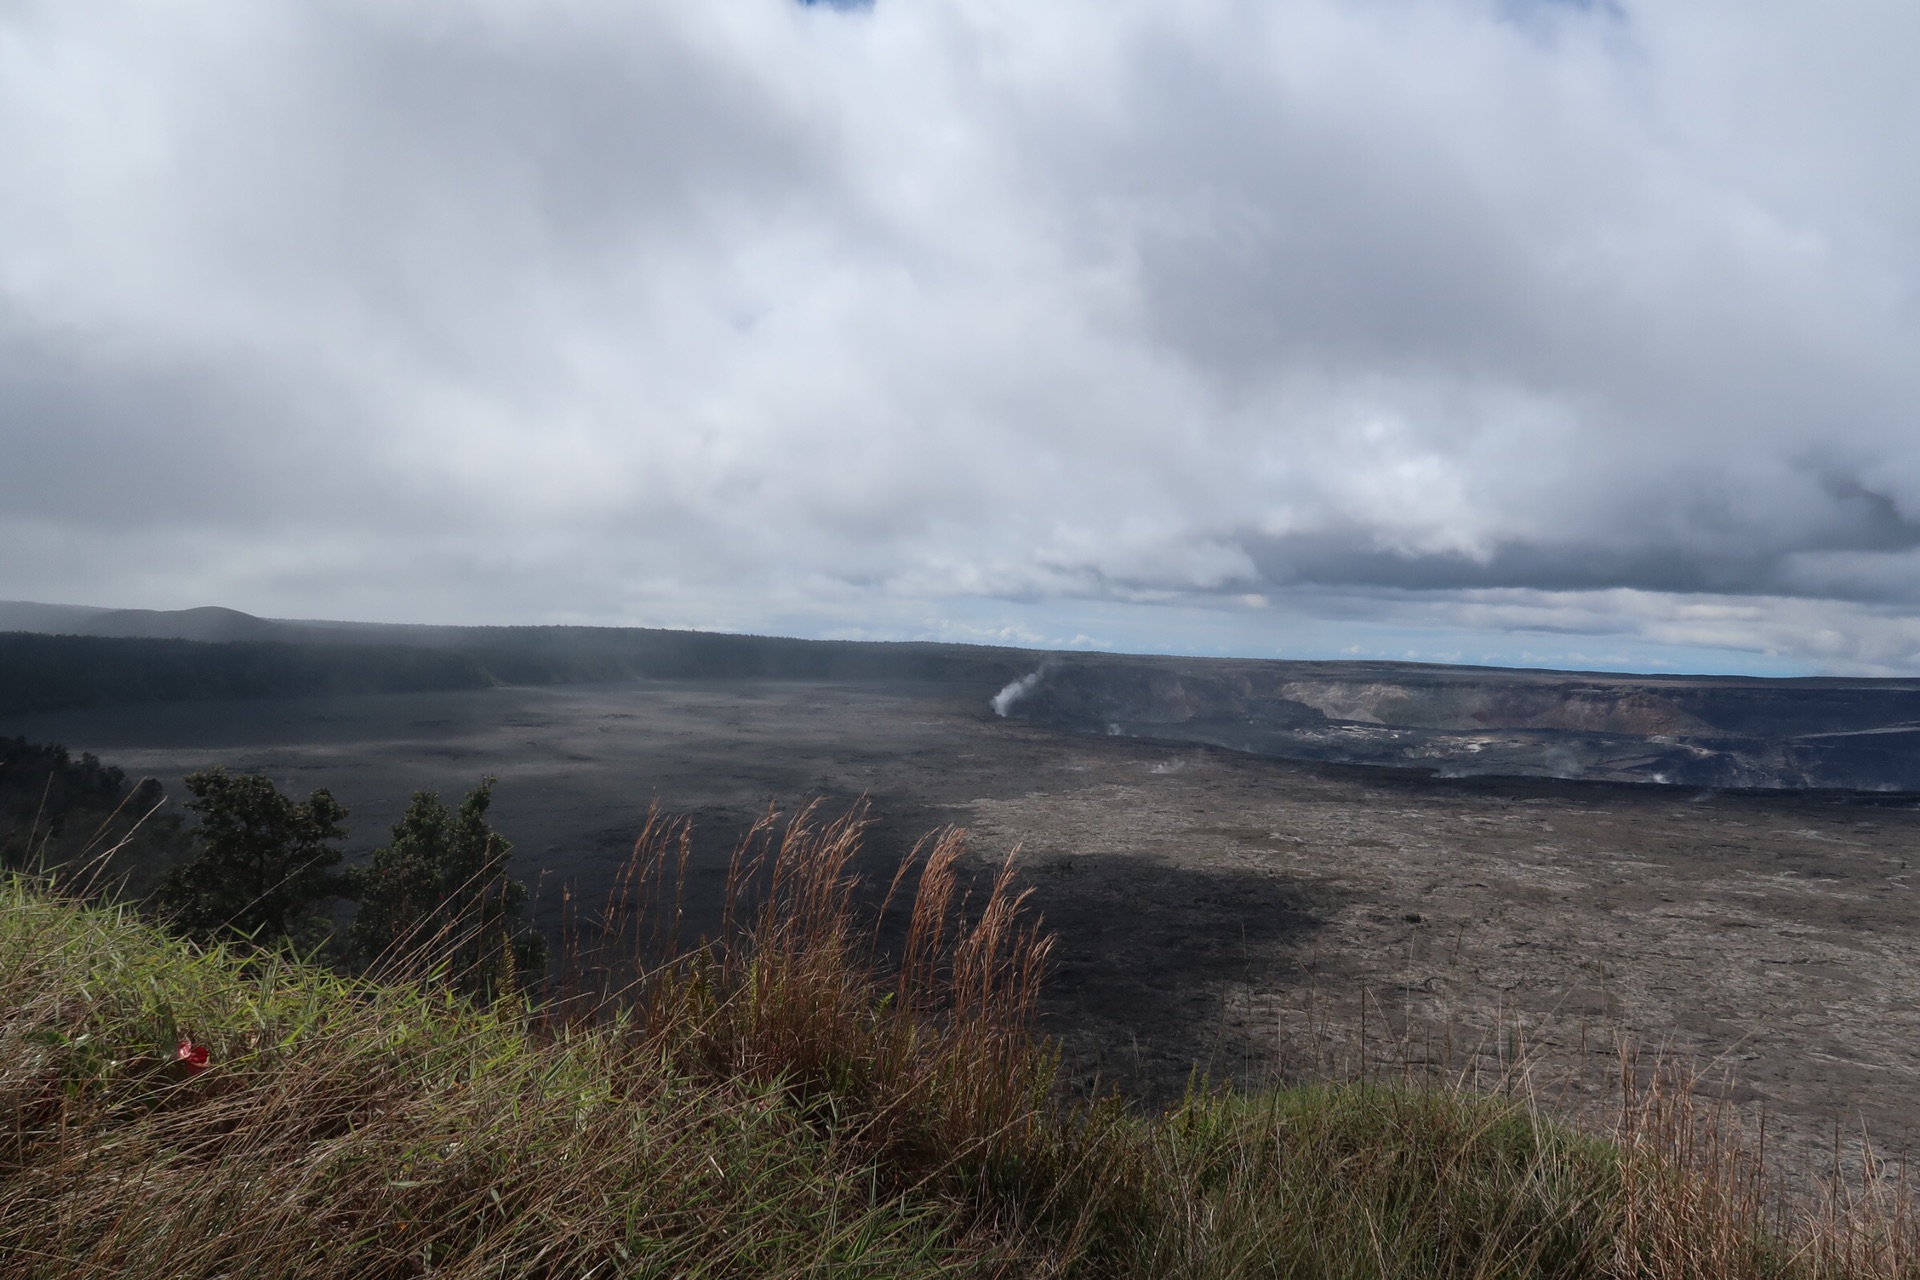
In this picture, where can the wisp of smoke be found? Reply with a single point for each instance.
(1003, 701)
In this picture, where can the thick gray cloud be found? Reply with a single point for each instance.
(1490, 329)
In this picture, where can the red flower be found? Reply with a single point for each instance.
(191, 1056)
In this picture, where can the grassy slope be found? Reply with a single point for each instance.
(776, 1107)
(348, 1130)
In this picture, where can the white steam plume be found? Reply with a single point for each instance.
(1003, 701)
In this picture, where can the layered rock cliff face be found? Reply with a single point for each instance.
(1684, 731)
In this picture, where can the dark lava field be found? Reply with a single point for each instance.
(1267, 869)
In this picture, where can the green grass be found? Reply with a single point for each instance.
(347, 1130)
(1363, 1180)
(778, 1103)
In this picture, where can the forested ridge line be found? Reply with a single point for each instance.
(55, 673)
(40, 672)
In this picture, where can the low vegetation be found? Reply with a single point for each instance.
(786, 1099)
(441, 887)
(261, 867)
(59, 810)
(265, 861)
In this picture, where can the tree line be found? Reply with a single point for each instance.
(262, 868)
(50, 673)
(41, 673)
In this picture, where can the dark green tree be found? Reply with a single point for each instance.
(265, 861)
(439, 892)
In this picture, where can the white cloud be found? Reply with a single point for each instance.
(1461, 320)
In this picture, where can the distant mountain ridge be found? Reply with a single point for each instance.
(1708, 731)
(52, 619)
(109, 657)
(207, 622)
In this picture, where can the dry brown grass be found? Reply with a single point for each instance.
(926, 1061)
(1699, 1198)
(789, 1098)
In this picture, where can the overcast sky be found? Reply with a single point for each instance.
(1472, 330)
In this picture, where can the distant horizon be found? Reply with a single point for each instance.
(1763, 668)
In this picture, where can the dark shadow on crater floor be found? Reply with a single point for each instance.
(1145, 956)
